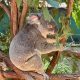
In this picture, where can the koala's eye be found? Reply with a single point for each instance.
(33, 17)
(50, 27)
(38, 17)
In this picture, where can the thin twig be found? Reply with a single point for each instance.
(69, 8)
(68, 12)
(5, 9)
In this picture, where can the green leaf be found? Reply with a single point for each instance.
(18, 3)
(4, 24)
(74, 64)
(1, 14)
(36, 3)
(29, 2)
(76, 16)
(78, 19)
(33, 3)
(46, 14)
(53, 3)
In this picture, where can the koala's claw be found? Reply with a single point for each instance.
(46, 77)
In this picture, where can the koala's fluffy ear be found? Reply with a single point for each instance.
(34, 17)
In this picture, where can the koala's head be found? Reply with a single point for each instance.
(44, 26)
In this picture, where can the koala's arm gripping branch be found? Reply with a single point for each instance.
(48, 47)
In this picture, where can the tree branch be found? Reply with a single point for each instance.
(5, 9)
(23, 14)
(65, 77)
(14, 17)
(12, 74)
(53, 62)
(68, 12)
(69, 8)
(8, 74)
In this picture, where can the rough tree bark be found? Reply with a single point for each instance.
(53, 62)
(14, 17)
(23, 14)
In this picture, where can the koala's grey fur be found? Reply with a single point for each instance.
(27, 46)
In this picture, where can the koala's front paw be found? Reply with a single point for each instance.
(46, 77)
(60, 47)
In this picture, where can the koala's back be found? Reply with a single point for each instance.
(22, 48)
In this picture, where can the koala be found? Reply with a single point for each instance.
(30, 43)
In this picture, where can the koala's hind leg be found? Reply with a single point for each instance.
(29, 77)
(26, 76)
(37, 76)
(46, 77)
